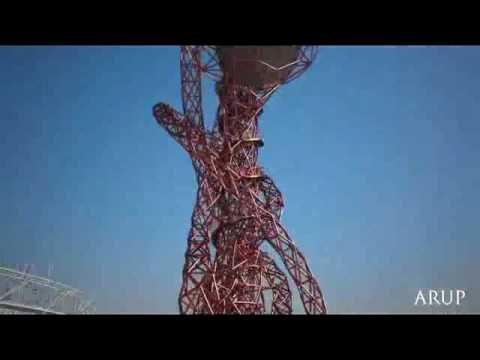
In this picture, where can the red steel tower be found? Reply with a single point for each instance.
(238, 206)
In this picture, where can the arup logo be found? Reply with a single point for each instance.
(440, 297)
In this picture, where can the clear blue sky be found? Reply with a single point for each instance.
(375, 150)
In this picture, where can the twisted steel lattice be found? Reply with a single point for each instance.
(238, 206)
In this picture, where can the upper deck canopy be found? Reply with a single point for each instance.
(257, 67)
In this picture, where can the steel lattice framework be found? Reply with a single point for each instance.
(25, 293)
(238, 206)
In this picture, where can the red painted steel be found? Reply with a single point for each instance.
(238, 206)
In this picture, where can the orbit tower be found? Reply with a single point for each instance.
(238, 206)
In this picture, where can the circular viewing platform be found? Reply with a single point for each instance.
(257, 67)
